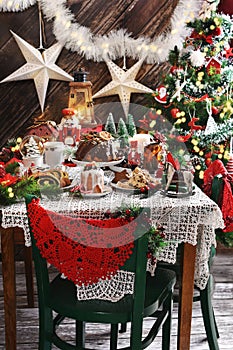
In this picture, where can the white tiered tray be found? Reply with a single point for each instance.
(99, 164)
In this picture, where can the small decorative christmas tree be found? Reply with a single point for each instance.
(110, 124)
(131, 125)
(122, 133)
(196, 94)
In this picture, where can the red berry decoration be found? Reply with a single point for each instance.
(142, 189)
(128, 212)
(174, 112)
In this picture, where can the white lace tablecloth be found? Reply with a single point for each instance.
(191, 219)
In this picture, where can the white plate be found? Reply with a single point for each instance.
(123, 189)
(173, 194)
(107, 190)
(74, 182)
(100, 164)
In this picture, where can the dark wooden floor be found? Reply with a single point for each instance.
(27, 319)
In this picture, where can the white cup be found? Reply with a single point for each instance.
(33, 161)
(54, 152)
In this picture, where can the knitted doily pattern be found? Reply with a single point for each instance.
(84, 250)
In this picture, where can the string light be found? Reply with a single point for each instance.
(136, 48)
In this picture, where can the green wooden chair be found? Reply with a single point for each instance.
(152, 298)
(204, 296)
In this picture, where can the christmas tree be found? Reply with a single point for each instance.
(131, 125)
(110, 124)
(122, 133)
(195, 96)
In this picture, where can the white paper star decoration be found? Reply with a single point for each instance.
(40, 67)
(123, 84)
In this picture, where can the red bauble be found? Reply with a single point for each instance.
(175, 70)
(215, 110)
(174, 112)
(152, 115)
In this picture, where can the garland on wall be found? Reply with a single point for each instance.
(16, 5)
(117, 43)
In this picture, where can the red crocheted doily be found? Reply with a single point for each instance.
(85, 250)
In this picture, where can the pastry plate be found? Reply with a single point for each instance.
(125, 189)
(100, 164)
(74, 182)
(173, 194)
(107, 190)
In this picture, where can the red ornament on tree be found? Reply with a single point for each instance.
(229, 52)
(184, 138)
(175, 69)
(160, 94)
(215, 110)
(213, 66)
(174, 112)
(192, 124)
(152, 115)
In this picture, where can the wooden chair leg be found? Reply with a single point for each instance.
(28, 263)
(18, 236)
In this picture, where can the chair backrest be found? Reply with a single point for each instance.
(136, 262)
(217, 189)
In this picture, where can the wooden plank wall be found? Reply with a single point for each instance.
(18, 100)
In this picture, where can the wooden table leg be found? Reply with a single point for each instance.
(9, 288)
(28, 265)
(186, 297)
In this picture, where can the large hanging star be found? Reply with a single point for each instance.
(123, 84)
(40, 67)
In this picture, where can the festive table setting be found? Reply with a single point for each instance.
(160, 159)
(101, 174)
(185, 213)
(107, 172)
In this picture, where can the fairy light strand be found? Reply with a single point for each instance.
(79, 38)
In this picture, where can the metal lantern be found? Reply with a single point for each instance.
(80, 97)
